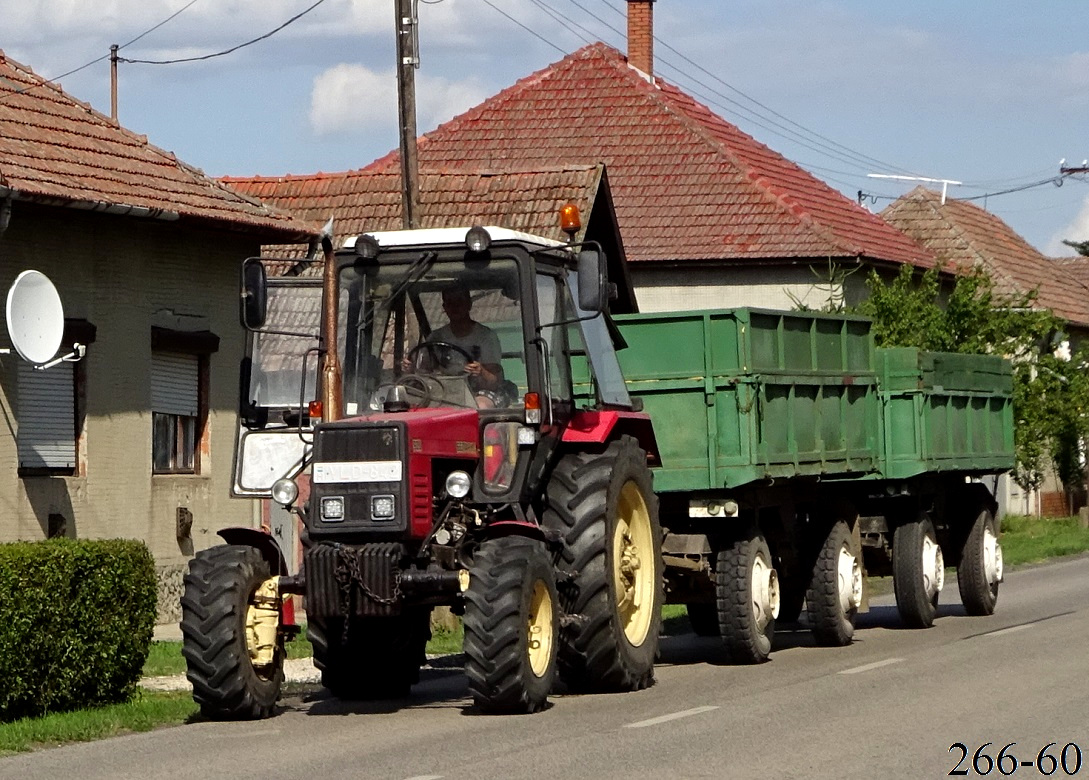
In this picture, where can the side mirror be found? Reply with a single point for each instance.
(254, 294)
(592, 285)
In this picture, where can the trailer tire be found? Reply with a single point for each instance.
(219, 588)
(980, 568)
(918, 571)
(604, 506)
(379, 659)
(835, 592)
(511, 625)
(747, 587)
(703, 617)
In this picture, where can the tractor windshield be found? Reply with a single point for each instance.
(443, 333)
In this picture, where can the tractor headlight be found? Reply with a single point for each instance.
(332, 509)
(458, 484)
(383, 507)
(284, 492)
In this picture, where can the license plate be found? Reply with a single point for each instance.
(358, 471)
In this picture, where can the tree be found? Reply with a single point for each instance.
(1050, 393)
(1081, 247)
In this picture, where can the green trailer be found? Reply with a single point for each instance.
(796, 457)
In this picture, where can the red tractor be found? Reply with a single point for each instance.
(475, 446)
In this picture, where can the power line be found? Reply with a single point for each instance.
(259, 38)
(528, 29)
(97, 60)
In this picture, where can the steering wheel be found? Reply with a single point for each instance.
(417, 381)
(432, 349)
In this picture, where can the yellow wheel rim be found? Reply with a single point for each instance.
(634, 575)
(539, 633)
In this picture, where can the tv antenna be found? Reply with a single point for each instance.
(944, 182)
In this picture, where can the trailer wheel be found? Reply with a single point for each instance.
(747, 587)
(379, 659)
(980, 569)
(605, 507)
(918, 571)
(703, 617)
(835, 591)
(233, 678)
(511, 625)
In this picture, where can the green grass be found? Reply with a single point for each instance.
(147, 710)
(1033, 539)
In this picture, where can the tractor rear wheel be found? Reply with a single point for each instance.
(918, 571)
(835, 592)
(747, 587)
(233, 677)
(380, 657)
(511, 625)
(605, 508)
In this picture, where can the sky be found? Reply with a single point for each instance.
(990, 93)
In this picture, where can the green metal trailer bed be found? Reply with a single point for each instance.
(742, 395)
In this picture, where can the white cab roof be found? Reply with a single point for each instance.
(447, 236)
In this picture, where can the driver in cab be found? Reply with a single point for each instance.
(477, 341)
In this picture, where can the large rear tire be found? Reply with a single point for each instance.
(605, 507)
(835, 591)
(980, 570)
(747, 587)
(229, 682)
(511, 625)
(918, 571)
(380, 657)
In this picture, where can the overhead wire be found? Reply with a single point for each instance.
(259, 38)
(97, 60)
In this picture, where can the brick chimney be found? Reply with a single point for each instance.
(641, 35)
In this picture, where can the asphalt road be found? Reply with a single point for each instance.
(890, 705)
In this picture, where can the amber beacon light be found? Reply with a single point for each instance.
(570, 220)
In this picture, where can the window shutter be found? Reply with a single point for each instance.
(174, 383)
(47, 417)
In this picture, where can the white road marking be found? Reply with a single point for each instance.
(666, 718)
(874, 665)
(1009, 630)
(425, 777)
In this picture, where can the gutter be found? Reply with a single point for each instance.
(9, 194)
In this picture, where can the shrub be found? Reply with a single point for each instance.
(76, 618)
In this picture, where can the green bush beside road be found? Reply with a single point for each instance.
(75, 623)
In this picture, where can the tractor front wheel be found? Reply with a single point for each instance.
(234, 656)
(511, 625)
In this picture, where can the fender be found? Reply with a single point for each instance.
(262, 541)
(601, 427)
(521, 528)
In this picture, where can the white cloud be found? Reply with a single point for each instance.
(1077, 230)
(352, 99)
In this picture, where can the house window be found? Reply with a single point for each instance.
(177, 412)
(47, 420)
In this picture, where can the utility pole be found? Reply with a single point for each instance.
(113, 82)
(408, 59)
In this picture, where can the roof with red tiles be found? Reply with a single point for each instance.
(963, 234)
(55, 149)
(687, 184)
(364, 201)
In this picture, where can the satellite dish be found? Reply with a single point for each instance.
(35, 317)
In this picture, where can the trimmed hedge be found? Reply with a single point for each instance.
(76, 618)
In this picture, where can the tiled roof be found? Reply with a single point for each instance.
(56, 149)
(1077, 266)
(363, 201)
(687, 185)
(962, 234)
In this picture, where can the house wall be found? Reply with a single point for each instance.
(126, 275)
(666, 287)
